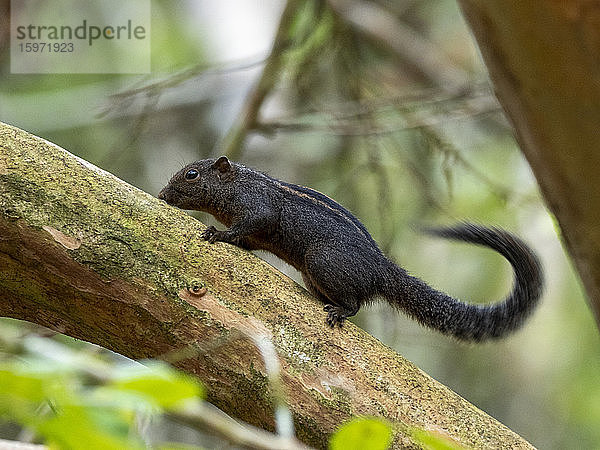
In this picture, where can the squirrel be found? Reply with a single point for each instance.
(340, 262)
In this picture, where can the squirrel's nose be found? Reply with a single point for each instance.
(161, 194)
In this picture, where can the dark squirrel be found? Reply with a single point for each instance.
(340, 262)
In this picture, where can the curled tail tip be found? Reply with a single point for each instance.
(495, 321)
(521, 256)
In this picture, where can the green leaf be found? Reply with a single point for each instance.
(73, 427)
(28, 387)
(163, 386)
(20, 396)
(22, 393)
(362, 434)
(433, 441)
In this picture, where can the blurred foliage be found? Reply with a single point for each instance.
(364, 123)
(69, 396)
(66, 395)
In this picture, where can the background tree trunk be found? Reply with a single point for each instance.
(90, 256)
(544, 61)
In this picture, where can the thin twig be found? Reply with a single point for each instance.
(204, 416)
(172, 81)
(375, 23)
(17, 445)
(263, 342)
(233, 142)
(474, 108)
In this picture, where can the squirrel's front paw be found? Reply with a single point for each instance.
(210, 234)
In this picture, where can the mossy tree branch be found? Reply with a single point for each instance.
(85, 254)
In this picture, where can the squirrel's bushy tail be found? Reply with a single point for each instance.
(466, 321)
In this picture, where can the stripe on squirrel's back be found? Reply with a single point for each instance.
(326, 201)
(323, 200)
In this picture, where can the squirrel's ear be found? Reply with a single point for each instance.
(224, 168)
(222, 164)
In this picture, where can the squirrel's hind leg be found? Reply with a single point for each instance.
(335, 314)
(340, 296)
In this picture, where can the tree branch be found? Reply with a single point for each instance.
(85, 254)
(543, 59)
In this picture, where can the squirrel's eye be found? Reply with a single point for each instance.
(192, 174)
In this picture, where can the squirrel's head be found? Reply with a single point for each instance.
(194, 186)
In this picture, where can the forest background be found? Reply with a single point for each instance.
(399, 134)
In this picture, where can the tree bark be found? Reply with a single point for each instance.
(85, 254)
(544, 61)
